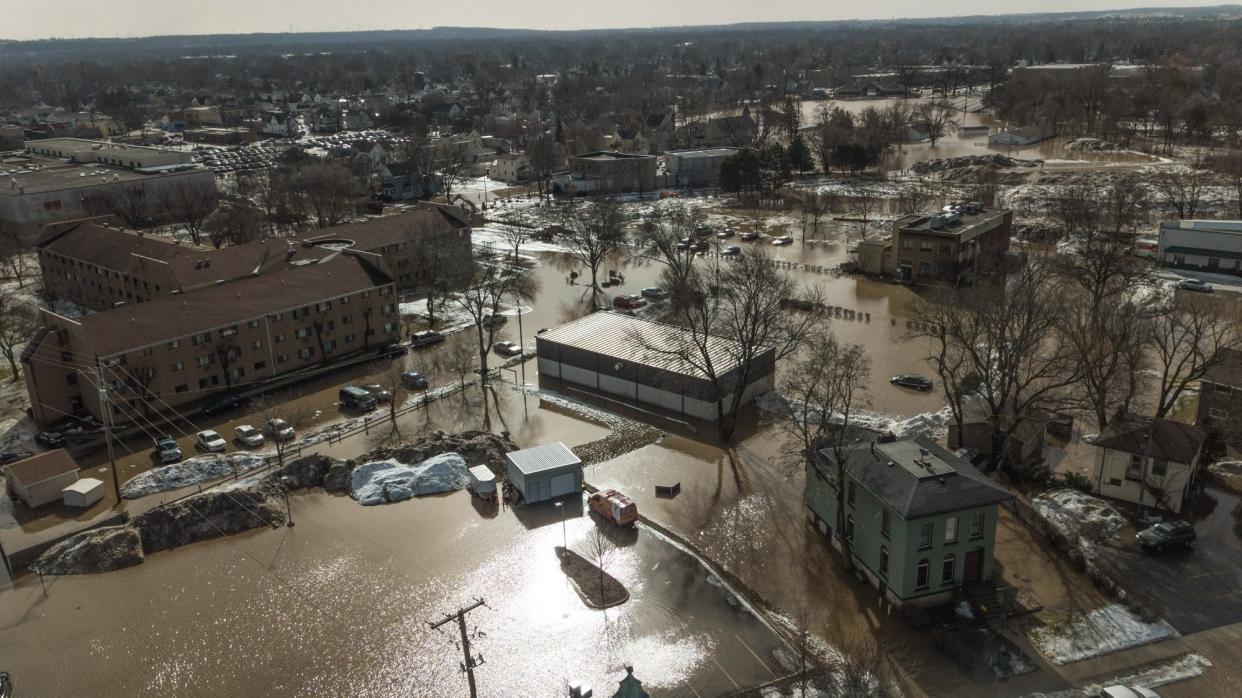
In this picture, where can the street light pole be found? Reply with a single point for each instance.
(284, 481)
(564, 536)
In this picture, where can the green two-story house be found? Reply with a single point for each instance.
(921, 522)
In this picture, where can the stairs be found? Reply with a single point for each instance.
(986, 601)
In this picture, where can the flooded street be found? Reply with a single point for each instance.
(340, 605)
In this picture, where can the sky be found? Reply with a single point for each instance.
(23, 19)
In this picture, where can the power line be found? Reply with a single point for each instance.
(471, 662)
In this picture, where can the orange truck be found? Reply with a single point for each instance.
(614, 506)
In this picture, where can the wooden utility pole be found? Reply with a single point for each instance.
(105, 409)
(470, 661)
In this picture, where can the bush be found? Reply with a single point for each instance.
(1082, 483)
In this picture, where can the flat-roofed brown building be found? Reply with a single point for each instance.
(953, 246)
(97, 266)
(608, 172)
(179, 348)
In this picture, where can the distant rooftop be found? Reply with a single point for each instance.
(964, 223)
(704, 152)
(38, 174)
(1234, 227)
(610, 155)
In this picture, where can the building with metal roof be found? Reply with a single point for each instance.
(544, 472)
(1212, 246)
(637, 362)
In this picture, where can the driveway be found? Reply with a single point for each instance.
(1193, 589)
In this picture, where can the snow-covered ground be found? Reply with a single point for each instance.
(1184, 667)
(1078, 516)
(189, 472)
(1104, 630)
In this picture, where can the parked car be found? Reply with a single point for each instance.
(912, 380)
(655, 293)
(248, 436)
(50, 439)
(731, 251)
(783, 240)
(750, 236)
(1120, 691)
(280, 429)
(1198, 285)
(702, 230)
(700, 246)
(629, 301)
(494, 320)
(508, 348)
(379, 392)
(393, 350)
(1165, 535)
(726, 234)
(14, 456)
(684, 244)
(354, 398)
(209, 441)
(167, 449)
(414, 380)
(425, 338)
(224, 403)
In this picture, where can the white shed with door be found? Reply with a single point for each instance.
(545, 472)
(83, 493)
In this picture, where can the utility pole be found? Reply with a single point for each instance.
(105, 407)
(469, 665)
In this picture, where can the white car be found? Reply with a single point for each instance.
(280, 429)
(783, 240)
(209, 441)
(1120, 691)
(508, 348)
(248, 436)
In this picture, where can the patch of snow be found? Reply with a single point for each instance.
(189, 472)
(1077, 515)
(1184, 667)
(1104, 630)
(934, 424)
(964, 611)
(380, 482)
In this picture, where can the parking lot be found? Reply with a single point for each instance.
(1195, 588)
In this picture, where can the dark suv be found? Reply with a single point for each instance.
(1165, 535)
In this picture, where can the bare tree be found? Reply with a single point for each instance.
(452, 162)
(515, 236)
(815, 206)
(1182, 190)
(601, 552)
(130, 204)
(235, 222)
(491, 282)
(594, 232)
(825, 384)
(392, 382)
(1000, 341)
(331, 192)
(660, 241)
(737, 324)
(277, 411)
(935, 119)
(544, 160)
(14, 253)
(459, 356)
(190, 204)
(17, 323)
(864, 204)
(1188, 340)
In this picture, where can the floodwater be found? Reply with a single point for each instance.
(340, 605)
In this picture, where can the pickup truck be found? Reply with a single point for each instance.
(614, 506)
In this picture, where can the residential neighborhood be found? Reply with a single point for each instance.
(741, 355)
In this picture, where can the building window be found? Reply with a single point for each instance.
(302, 333)
(239, 372)
(306, 352)
(182, 388)
(204, 360)
(925, 535)
(228, 331)
(924, 268)
(178, 366)
(349, 339)
(256, 344)
(886, 523)
(1217, 413)
(260, 365)
(280, 338)
(883, 560)
(907, 244)
(923, 574)
(1134, 469)
(946, 248)
(948, 569)
(1114, 482)
(329, 345)
(252, 324)
(849, 528)
(950, 530)
(976, 524)
(208, 382)
(282, 358)
(347, 319)
(849, 493)
(1159, 467)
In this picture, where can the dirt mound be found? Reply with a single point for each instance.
(1091, 145)
(226, 509)
(969, 167)
(477, 447)
(97, 550)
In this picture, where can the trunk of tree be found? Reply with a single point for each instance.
(10, 356)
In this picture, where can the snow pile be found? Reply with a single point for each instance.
(1185, 667)
(1228, 468)
(379, 482)
(189, 472)
(964, 611)
(1078, 516)
(1104, 630)
(934, 424)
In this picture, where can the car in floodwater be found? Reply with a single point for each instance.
(248, 436)
(1196, 285)
(280, 429)
(655, 293)
(507, 348)
(783, 240)
(210, 441)
(425, 338)
(731, 251)
(726, 234)
(167, 449)
(912, 380)
(414, 380)
(750, 236)
(379, 392)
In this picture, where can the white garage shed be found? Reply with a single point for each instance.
(545, 472)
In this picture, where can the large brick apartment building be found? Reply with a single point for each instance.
(98, 266)
(176, 324)
(951, 246)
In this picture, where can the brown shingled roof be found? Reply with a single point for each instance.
(43, 466)
(131, 327)
(1152, 437)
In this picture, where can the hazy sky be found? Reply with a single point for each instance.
(23, 19)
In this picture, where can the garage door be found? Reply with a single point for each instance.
(564, 483)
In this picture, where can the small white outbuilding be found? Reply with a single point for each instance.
(545, 472)
(83, 493)
(483, 482)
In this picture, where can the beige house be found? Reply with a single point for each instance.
(511, 167)
(40, 479)
(1149, 461)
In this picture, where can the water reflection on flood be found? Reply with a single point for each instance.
(340, 604)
